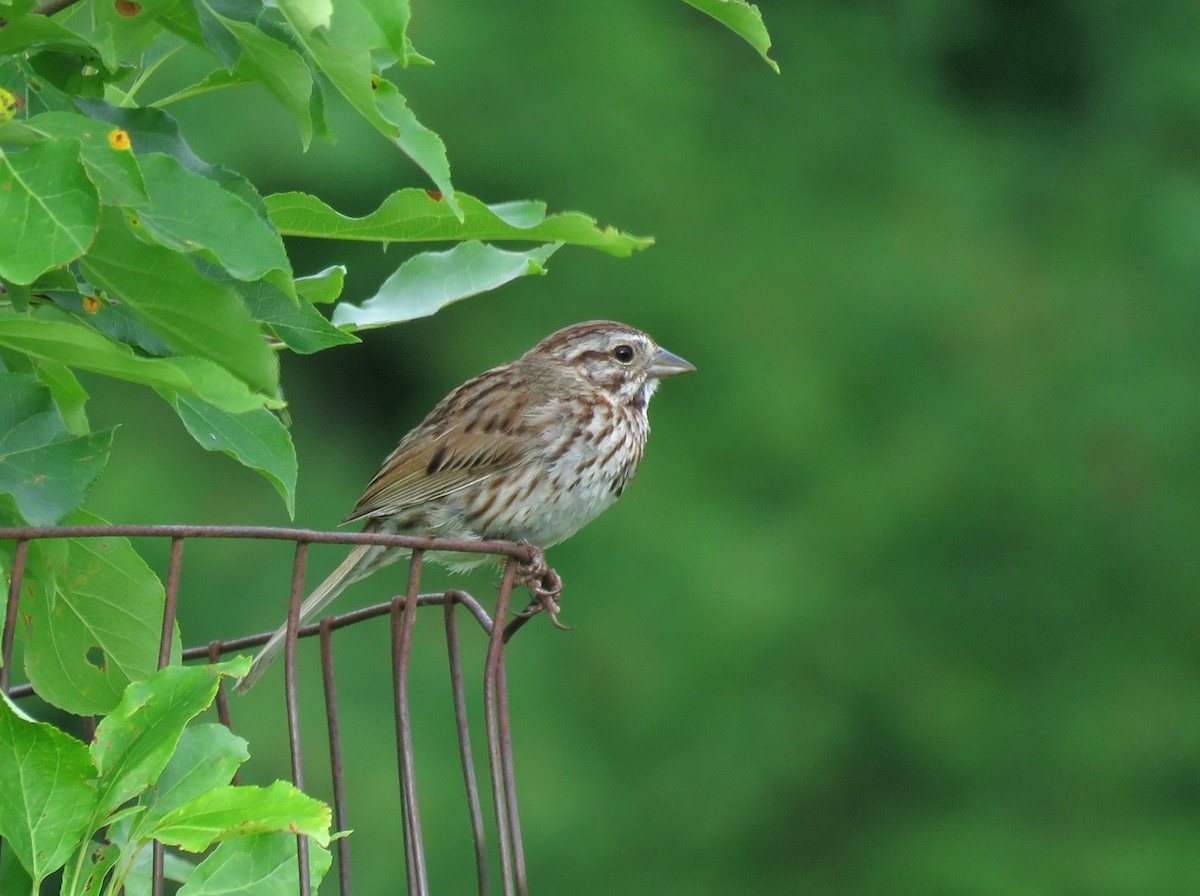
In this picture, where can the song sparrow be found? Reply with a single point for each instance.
(529, 451)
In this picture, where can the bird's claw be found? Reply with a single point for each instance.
(545, 586)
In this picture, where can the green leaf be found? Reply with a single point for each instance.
(206, 756)
(69, 395)
(262, 864)
(68, 343)
(743, 19)
(48, 209)
(47, 792)
(102, 857)
(343, 55)
(28, 31)
(322, 287)
(189, 212)
(272, 63)
(379, 27)
(307, 16)
(46, 470)
(49, 481)
(135, 741)
(295, 322)
(139, 880)
(13, 876)
(110, 317)
(224, 812)
(192, 313)
(92, 616)
(121, 38)
(113, 170)
(428, 281)
(16, 293)
(415, 216)
(152, 130)
(256, 439)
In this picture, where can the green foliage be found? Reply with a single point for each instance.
(146, 776)
(90, 619)
(125, 256)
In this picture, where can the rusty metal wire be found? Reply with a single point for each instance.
(402, 611)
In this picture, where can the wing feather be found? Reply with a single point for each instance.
(463, 441)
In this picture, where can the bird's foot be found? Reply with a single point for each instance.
(545, 586)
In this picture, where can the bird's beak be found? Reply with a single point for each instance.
(665, 364)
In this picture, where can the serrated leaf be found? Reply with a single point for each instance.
(112, 318)
(43, 467)
(340, 55)
(194, 315)
(84, 349)
(153, 131)
(49, 209)
(189, 212)
(743, 19)
(47, 792)
(114, 171)
(262, 864)
(50, 481)
(205, 757)
(256, 439)
(295, 322)
(136, 740)
(415, 216)
(225, 812)
(378, 26)
(92, 617)
(272, 63)
(429, 281)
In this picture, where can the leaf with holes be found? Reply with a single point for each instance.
(92, 616)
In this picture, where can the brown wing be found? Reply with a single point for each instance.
(480, 429)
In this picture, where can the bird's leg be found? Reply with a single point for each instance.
(545, 586)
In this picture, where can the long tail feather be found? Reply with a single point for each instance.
(361, 562)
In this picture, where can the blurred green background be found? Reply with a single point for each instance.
(905, 597)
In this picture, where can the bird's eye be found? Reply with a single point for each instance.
(623, 353)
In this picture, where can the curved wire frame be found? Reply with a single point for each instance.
(401, 609)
